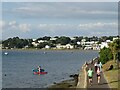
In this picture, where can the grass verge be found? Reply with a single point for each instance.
(112, 76)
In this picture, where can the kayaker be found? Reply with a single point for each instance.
(39, 68)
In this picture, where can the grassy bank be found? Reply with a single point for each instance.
(112, 76)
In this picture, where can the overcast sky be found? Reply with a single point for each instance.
(37, 19)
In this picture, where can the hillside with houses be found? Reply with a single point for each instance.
(63, 42)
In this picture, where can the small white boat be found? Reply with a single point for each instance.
(6, 53)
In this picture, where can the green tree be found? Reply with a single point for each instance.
(105, 55)
(42, 45)
(63, 40)
(115, 47)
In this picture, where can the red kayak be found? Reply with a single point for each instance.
(40, 72)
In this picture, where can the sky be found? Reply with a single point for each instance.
(38, 19)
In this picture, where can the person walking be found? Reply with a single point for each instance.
(95, 65)
(98, 75)
(90, 75)
(100, 66)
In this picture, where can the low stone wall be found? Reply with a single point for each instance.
(82, 78)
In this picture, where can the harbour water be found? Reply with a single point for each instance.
(17, 66)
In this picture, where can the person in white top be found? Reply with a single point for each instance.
(100, 65)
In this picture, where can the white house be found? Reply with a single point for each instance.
(88, 47)
(35, 44)
(47, 47)
(104, 44)
(108, 41)
(115, 38)
(40, 41)
(96, 47)
(53, 39)
(58, 46)
(68, 46)
(72, 38)
(34, 39)
(83, 40)
(78, 43)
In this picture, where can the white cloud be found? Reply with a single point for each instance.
(98, 25)
(54, 27)
(15, 26)
(24, 27)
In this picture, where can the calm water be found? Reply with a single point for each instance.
(18, 65)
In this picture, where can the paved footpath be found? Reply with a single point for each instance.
(103, 83)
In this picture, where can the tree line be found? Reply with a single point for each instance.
(17, 42)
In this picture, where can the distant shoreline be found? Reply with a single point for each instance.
(49, 49)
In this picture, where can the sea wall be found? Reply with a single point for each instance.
(82, 77)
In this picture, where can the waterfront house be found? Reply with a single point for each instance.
(96, 47)
(42, 41)
(35, 44)
(69, 46)
(34, 39)
(47, 47)
(104, 44)
(88, 47)
(53, 39)
(59, 46)
(115, 38)
(72, 38)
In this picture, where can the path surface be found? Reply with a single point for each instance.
(103, 82)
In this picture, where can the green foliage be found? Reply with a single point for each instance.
(63, 40)
(42, 45)
(44, 38)
(105, 55)
(115, 47)
(15, 43)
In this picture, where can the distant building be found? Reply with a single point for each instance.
(34, 39)
(104, 44)
(88, 47)
(41, 41)
(83, 40)
(108, 41)
(47, 47)
(78, 43)
(96, 47)
(68, 46)
(35, 44)
(115, 38)
(58, 46)
(72, 38)
(53, 39)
